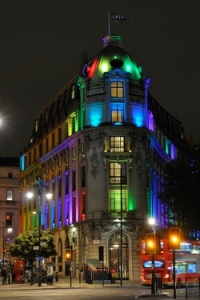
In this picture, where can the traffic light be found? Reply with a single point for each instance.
(152, 243)
(174, 238)
(68, 254)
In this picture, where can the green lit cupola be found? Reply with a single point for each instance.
(113, 87)
(112, 56)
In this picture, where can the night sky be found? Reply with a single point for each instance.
(42, 42)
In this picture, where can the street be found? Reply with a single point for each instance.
(96, 292)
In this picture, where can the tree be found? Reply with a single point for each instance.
(181, 190)
(23, 246)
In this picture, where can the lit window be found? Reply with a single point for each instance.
(73, 92)
(8, 220)
(73, 153)
(36, 126)
(117, 89)
(117, 143)
(115, 200)
(117, 113)
(9, 195)
(117, 173)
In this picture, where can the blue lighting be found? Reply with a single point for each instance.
(95, 114)
(22, 163)
(138, 115)
(118, 123)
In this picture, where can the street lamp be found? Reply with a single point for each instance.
(174, 243)
(151, 248)
(39, 189)
(3, 245)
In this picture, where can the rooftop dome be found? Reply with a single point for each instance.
(112, 56)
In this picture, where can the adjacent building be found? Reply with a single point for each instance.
(99, 146)
(9, 203)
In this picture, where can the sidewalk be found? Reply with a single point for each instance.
(64, 282)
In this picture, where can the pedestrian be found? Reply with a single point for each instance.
(4, 276)
(13, 275)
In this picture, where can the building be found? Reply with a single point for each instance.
(100, 146)
(9, 203)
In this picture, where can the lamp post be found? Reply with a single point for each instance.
(121, 229)
(152, 222)
(39, 187)
(3, 245)
(121, 223)
(174, 243)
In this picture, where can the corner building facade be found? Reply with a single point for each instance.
(100, 146)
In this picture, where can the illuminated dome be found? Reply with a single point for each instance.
(112, 56)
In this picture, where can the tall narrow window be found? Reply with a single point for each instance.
(117, 173)
(59, 135)
(73, 181)
(117, 89)
(47, 145)
(117, 143)
(40, 149)
(73, 92)
(73, 210)
(115, 200)
(9, 195)
(9, 220)
(117, 113)
(66, 184)
(83, 176)
(34, 154)
(53, 140)
(73, 124)
(59, 186)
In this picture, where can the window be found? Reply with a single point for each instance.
(83, 176)
(8, 220)
(34, 154)
(73, 210)
(73, 153)
(40, 149)
(73, 181)
(73, 92)
(59, 135)
(36, 126)
(66, 184)
(117, 89)
(47, 145)
(117, 173)
(9, 195)
(59, 187)
(115, 200)
(73, 124)
(10, 175)
(117, 143)
(117, 113)
(53, 140)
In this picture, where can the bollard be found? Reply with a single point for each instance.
(56, 276)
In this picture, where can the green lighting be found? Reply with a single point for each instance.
(131, 202)
(105, 67)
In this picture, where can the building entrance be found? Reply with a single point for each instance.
(118, 256)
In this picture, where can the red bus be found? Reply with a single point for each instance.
(187, 263)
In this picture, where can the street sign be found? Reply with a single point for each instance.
(39, 258)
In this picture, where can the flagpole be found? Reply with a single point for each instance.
(109, 23)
